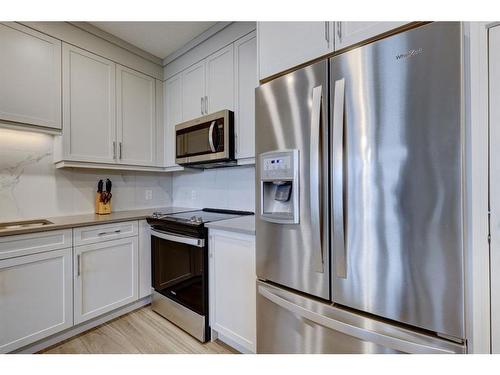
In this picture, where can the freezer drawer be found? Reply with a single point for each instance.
(290, 323)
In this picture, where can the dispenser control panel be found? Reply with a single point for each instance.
(278, 165)
(279, 186)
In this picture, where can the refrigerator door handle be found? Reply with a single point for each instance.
(314, 180)
(338, 222)
(349, 329)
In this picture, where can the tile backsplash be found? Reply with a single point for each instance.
(231, 188)
(31, 187)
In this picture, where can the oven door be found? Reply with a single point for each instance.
(205, 139)
(179, 266)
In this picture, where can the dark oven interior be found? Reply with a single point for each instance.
(180, 273)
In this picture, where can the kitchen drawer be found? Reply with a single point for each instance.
(32, 243)
(104, 232)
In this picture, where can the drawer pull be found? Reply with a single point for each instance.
(79, 265)
(114, 232)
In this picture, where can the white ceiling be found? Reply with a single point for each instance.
(158, 38)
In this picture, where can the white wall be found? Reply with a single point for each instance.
(232, 188)
(31, 187)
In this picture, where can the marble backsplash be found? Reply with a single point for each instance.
(31, 187)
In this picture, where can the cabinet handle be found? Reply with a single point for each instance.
(121, 147)
(206, 105)
(78, 265)
(327, 33)
(339, 30)
(103, 233)
(114, 150)
(201, 105)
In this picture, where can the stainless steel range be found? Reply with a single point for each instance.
(179, 254)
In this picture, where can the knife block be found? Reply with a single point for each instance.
(100, 207)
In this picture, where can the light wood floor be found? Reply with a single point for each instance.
(141, 331)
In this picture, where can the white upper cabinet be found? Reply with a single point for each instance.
(30, 76)
(160, 123)
(349, 33)
(246, 80)
(109, 113)
(173, 115)
(136, 117)
(225, 79)
(220, 85)
(193, 92)
(88, 106)
(284, 45)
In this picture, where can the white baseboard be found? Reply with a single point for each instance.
(76, 330)
(233, 344)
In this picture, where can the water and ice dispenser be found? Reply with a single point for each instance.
(279, 183)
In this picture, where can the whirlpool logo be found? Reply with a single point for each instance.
(410, 53)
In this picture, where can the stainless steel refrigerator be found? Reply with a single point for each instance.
(359, 181)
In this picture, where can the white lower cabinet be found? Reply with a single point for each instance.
(105, 277)
(232, 288)
(35, 297)
(145, 285)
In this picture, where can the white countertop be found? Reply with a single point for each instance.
(242, 224)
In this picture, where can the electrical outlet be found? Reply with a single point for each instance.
(148, 194)
(193, 195)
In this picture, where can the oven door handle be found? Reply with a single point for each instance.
(198, 242)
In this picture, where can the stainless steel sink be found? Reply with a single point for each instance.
(24, 224)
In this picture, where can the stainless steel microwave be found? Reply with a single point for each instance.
(206, 142)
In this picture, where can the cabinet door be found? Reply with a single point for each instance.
(245, 63)
(494, 181)
(136, 117)
(220, 80)
(88, 106)
(144, 259)
(105, 277)
(30, 76)
(35, 297)
(193, 92)
(349, 33)
(160, 124)
(173, 116)
(284, 45)
(232, 287)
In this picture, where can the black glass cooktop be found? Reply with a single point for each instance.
(199, 217)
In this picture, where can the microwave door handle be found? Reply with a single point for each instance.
(198, 242)
(211, 136)
(338, 222)
(315, 180)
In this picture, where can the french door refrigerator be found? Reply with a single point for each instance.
(359, 237)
